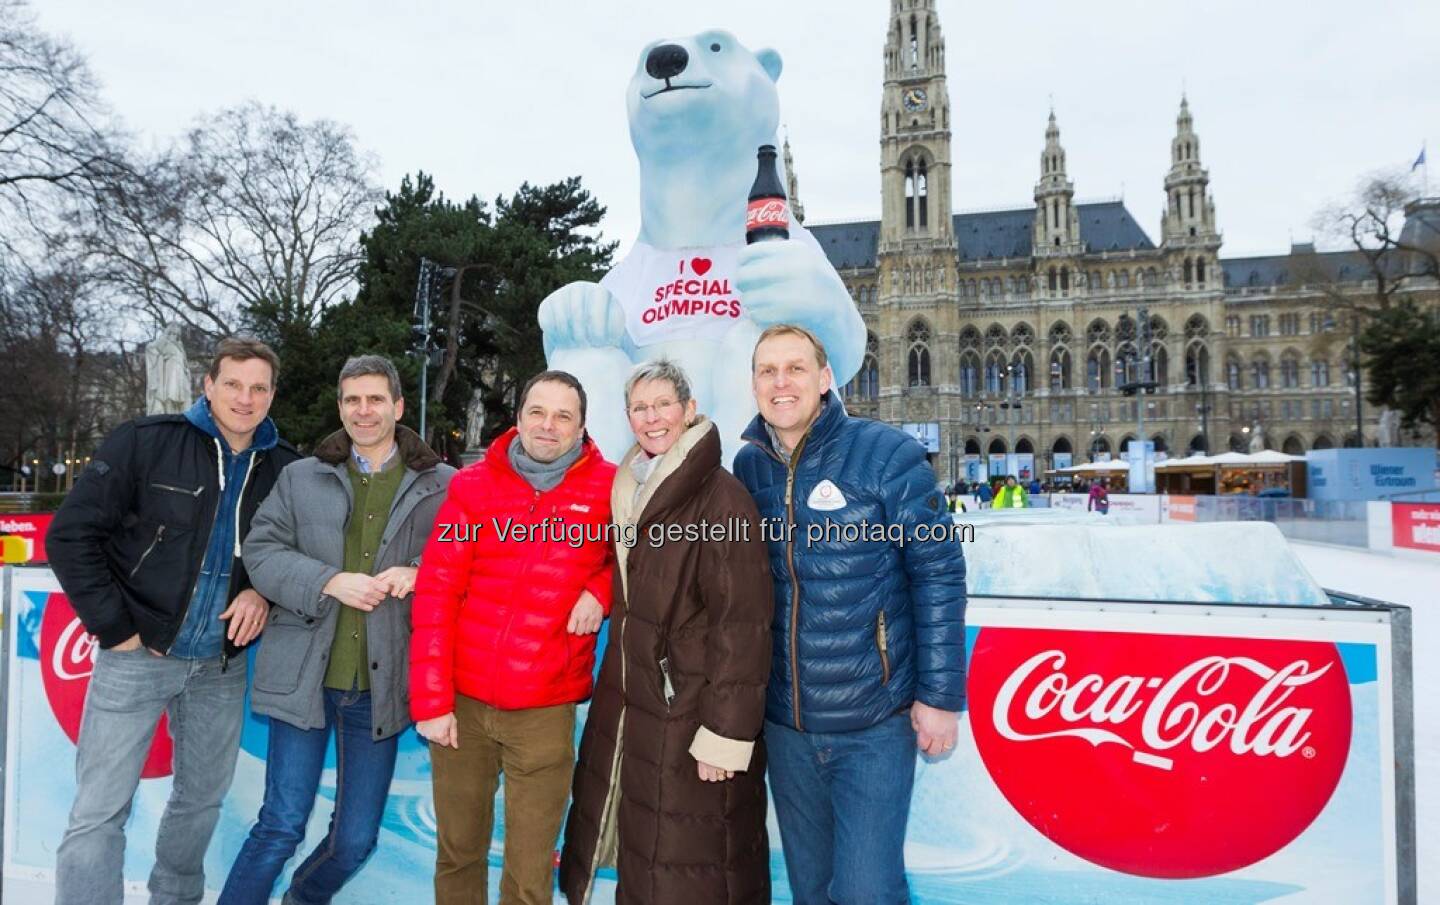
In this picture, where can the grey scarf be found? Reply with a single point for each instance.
(542, 476)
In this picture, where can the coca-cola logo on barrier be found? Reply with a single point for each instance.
(1161, 755)
(67, 658)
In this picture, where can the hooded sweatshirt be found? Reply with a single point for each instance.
(202, 634)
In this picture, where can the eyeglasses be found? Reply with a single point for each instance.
(640, 409)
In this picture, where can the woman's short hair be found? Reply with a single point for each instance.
(659, 369)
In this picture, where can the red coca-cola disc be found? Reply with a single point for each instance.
(67, 658)
(1161, 755)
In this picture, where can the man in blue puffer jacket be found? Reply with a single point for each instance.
(869, 632)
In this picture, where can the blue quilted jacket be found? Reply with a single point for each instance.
(869, 605)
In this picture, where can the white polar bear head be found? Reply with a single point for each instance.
(701, 94)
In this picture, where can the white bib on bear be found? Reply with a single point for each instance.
(677, 293)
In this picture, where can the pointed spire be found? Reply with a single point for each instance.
(1189, 210)
(792, 183)
(1057, 227)
(1184, 123)
(1052, 159)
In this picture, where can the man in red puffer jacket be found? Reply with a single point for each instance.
(512, 588)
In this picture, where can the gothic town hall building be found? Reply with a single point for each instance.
(1038, 331)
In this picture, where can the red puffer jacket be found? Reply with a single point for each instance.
(490, 614)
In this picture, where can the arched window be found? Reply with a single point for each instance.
(1197, 365)
(1097, 370)
(1060, 369)
(1020, 370)
(918, 357)
(1319, 373)
(969, 373)
(1260, 373)
(1290, 372)
(1189, 272)
(995, 373)
(1234, 378)
(909, 194)
(917, 192)
(1127, 364)
(867, 381)
(1293, 446)
(1200, 271)
(922, 192)
(1159, 365)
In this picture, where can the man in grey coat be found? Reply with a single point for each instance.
(335, 547)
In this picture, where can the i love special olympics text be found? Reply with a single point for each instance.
(692, 296)
(732, 530)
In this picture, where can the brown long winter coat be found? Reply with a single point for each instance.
(704, 606)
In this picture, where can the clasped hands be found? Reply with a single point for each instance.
(366, 592)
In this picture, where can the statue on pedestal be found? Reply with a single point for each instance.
(167, 374)
(1257, 437)
(474, 421)
(1387, 433)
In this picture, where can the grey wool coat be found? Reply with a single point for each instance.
(296, 545)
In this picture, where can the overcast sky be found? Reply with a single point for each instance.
(1294, 100)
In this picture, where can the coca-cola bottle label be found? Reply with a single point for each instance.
(767, 213)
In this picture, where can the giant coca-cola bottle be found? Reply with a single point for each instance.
(768, 216)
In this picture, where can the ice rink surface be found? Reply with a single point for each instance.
(1416, 584)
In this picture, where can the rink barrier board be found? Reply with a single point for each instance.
(1348, 616)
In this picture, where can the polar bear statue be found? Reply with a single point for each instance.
(690, 289)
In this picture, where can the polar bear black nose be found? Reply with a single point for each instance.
(666, 61)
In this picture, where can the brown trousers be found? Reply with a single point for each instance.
(535, 749)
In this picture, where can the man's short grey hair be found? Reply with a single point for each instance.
(364, 366)
(659, 369)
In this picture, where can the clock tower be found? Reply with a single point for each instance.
(915, 132)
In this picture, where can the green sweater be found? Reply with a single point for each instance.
(374, 494)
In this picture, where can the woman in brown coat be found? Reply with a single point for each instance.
(670, 786)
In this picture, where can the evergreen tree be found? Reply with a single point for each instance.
(498, 265)
(1402, 343)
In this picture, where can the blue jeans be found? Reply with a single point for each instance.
(293, 765)
(842, 801)
(128, 692)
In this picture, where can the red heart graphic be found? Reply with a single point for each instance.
(701, 266)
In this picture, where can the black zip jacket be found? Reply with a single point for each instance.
(129, 541)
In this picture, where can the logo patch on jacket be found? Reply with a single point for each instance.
(579, 507)
(826, 497)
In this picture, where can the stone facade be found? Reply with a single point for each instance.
(1020, 330)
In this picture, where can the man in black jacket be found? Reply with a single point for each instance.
(147, 549)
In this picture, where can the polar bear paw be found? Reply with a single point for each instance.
(789, 282)
(581, 316)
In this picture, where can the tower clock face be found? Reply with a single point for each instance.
(915, 100)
